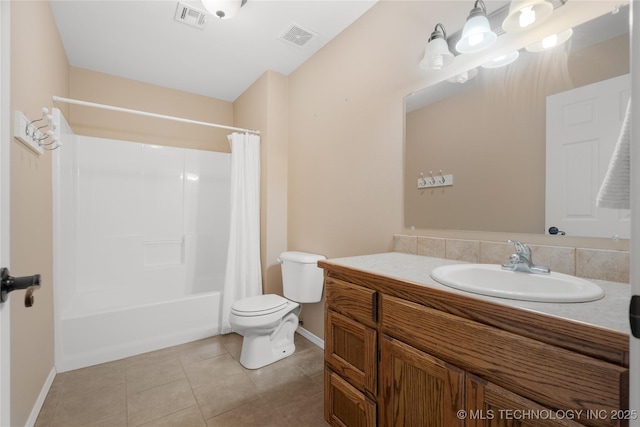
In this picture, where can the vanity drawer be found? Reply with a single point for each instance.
(351, 350)
(352, 300)
(549, 375)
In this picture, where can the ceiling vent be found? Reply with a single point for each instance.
(190, 16)
(298, 36)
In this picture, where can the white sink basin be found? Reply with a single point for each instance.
(492, 280)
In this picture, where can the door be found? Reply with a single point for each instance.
(5, 144)
(583, 126)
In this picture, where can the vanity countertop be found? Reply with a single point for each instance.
(610, 312)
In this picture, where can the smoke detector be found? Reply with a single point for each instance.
(190, 16)
(298, 35)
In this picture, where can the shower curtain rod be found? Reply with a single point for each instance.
(145, 113)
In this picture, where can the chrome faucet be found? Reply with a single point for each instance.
(521, 260)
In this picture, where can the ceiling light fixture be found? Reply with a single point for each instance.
(223, 9)
(524, 13)
(550, 41)
(437, 54)
(476, 33)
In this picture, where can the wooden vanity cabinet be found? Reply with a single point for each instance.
(393, 362)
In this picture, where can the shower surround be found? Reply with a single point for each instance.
(140, 246)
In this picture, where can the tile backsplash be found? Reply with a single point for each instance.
(595, 264)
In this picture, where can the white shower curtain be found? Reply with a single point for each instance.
(243, 277)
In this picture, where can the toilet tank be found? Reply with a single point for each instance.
(302, 280)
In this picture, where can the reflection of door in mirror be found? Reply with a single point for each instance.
(582, 130)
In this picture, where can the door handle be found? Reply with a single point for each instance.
(10, 283)
(554, 231)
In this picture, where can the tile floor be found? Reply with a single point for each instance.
(199, 384)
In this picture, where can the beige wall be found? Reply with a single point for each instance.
(39, 69)
(86, 85)
(345, 138)
(264, 107)
(346, 133)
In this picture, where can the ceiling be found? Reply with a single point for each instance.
(140, 40)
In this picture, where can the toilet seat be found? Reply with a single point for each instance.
(259, 305)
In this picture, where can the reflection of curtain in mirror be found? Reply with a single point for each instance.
(527, 82)
(548, 74)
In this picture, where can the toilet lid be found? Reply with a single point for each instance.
(259, 305)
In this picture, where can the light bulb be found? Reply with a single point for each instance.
(549, 41)
(524, 14)
(527, 16)
(502, 60)
(475, 39)
(462, 77)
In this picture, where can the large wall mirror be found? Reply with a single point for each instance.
(489, 135)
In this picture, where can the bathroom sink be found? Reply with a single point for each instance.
(493, 280)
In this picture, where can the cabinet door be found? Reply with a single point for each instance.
(418, 389)
(351, 350)
(489, 405)
(344, 405)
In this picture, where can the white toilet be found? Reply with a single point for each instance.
(268, 322)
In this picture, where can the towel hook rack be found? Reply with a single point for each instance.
(440, 180)
(36, 137)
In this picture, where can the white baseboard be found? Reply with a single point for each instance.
(41, 397)
(311, 337)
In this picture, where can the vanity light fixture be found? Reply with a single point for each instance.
(502, 60)
(524, 13)
(437, 54)
(476, 33)
(550, 41)
(223, 9)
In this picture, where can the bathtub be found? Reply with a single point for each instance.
(140, 240)
(95, 329)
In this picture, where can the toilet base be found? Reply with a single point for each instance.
(259, 349)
